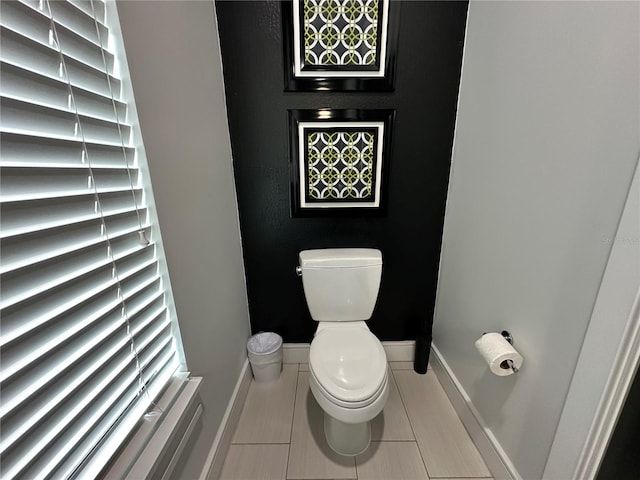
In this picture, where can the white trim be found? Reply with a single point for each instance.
(591, 406)
(397, 351)
(613, 398)
(400, 351)
(295, 352)
(160, 444)
(490, 449)
(177, 454)
(222, 441)
(143, 454)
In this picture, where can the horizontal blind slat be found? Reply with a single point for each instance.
(44, 246)
(42, 403)
(20, 83)
(95, 9)
(21, 51)
(80, 21)
(72, 326)
(25, 183)
(49, 370)
(112, 436)
(94, 401)
(24, 284)
(91, 403)
(137, 273)
(47, 399)
(66, 463)
(86, 349)
(36, 151)
(19, 182)
(19, 218)
(29, 118)
(36, 25)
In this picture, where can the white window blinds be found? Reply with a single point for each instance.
(86, 339)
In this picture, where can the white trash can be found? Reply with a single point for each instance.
(265, 354)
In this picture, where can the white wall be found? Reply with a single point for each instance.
(546, 144)
(174, 59)
(608, 330)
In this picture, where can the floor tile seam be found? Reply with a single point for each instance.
(394, 441)
(455, 415)
(260, 443)
(395, 382)
(293, 417)
(406, 411)
(316, 478)
(449, 477)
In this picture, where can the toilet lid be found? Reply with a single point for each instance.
(349, 362)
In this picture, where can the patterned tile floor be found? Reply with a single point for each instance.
(417, 436)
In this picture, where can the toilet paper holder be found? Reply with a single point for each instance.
(507, 336)
(507, 364)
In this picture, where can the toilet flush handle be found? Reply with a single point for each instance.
(299, 271)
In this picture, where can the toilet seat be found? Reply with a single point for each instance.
(346, 404)
(349, 365)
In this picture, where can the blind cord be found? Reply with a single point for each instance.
(141, 232)
(54, 40)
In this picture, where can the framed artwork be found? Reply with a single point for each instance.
(339, 161)
(340, 45)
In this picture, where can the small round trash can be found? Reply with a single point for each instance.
(265, 356)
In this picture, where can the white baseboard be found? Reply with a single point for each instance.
(494, 456)
(400, 351)
(213, 465)
(295, 352)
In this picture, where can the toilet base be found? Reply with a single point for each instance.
(347, 439)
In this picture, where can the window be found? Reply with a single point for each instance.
(88, 336)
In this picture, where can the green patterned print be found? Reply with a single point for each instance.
(340, 165)
(340, 32)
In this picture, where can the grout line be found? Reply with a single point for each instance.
(262, 443)
(235, 430)
(397, 441)
(293, 417)
(411, 424)
(461, 478)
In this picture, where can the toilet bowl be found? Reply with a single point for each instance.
(347, 364)
(348, 378)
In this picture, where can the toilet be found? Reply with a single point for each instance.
(347, 363)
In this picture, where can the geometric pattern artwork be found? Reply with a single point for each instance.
(340, 38)
(340, 164)
(341, 32)
(338, 161)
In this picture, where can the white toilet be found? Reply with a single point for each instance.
(347, 363)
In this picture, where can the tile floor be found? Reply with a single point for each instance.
(417, 436)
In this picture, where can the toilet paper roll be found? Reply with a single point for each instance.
(496, 352)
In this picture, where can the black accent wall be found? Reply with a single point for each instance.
(409, 235)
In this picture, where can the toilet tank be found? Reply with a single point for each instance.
(341, 284)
